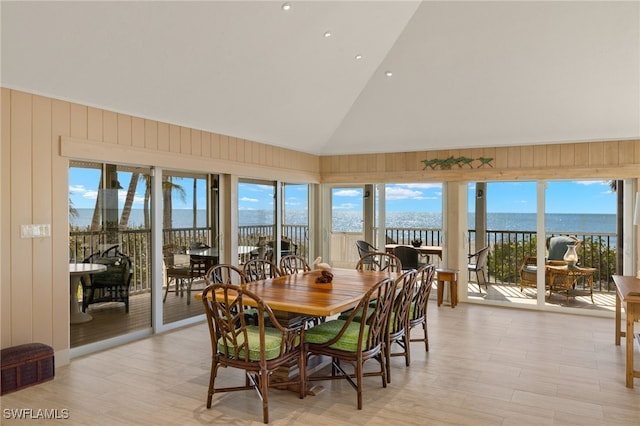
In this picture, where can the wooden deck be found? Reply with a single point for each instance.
(110, 319)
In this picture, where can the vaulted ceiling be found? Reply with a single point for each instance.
(464, 74)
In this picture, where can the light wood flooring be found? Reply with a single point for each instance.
(487, 365)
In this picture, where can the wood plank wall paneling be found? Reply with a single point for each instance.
(5, 212)
(59, 280)
(137, 132)
(42, 173)
(34, 183)
(21, 252)
(584, 160)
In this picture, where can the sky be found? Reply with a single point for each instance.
(502, 197)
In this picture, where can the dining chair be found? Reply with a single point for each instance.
(225, 273)
(256, 349)
(420, 302)
(355, 342)
(379, 261)
(260, 269)
(398, 326)
(292, 264)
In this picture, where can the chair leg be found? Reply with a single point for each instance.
(407, 348)
(387, 359)
(264, 389)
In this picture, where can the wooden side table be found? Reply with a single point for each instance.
(628, 293)
(450, 276)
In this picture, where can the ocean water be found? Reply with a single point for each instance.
(351, 221)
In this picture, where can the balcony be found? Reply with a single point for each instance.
(508, 250)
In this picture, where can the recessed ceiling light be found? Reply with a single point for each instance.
(286, 6)
(388, 73)
(327, 34)
(358, 56)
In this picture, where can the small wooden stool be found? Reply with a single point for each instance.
(451, 276)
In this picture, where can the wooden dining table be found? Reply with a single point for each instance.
(298, 296)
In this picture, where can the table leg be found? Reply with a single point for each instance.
(76, 316)
(440, 292)
(629, 348)
(618, 319)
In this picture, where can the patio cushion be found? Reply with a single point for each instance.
(327, 330)
(530, 268)
(273, 340)
(558, 246)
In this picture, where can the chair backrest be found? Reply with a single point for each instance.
(408, 256)
(483, 256)
(558, 246)
(260, 269)
(364, 248)
(225, 274)
(399, 318)
(379, 261)
(230, 327)
(292, 264)
(372, 332)
(422, 291)
(119, 269)
(200, 265)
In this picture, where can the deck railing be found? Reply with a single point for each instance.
(508, 248)
(135, 244)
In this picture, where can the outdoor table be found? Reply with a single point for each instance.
(564, 278)
(424, 250)
(76, 271)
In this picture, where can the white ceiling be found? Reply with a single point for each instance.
(465, 74)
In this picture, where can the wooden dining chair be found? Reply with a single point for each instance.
(260, 269)
(379, 261)
(292, 264)
(256, 349)
(398, 328)
(420, 302)
(355, 342)
(224, 273)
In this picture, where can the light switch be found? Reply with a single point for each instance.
(35, 231)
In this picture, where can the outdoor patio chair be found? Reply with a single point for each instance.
(364, 248)
(111, 285)
(557, 246)
(257, 349)
(409, 256)
(480, 266)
